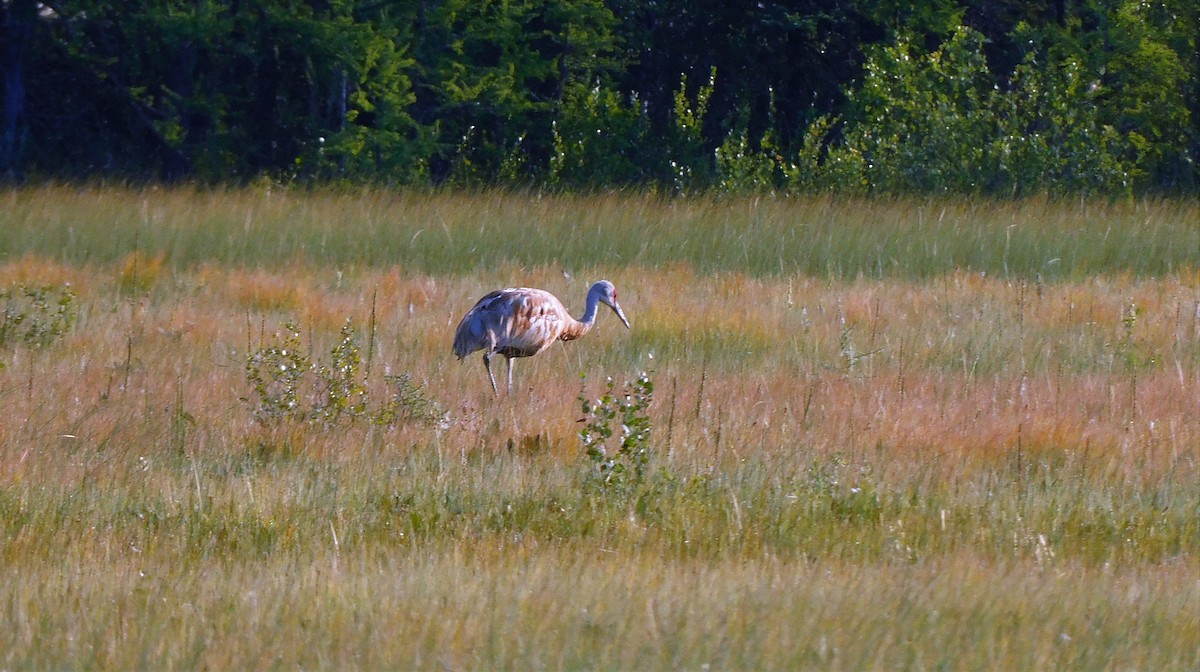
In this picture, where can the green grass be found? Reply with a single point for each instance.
(454, 233)
(506, 562)
(945, 462)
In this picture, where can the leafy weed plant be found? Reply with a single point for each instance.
(409, 404)
(36, 316)
(342, 383)
(620, 462)
(278, 374)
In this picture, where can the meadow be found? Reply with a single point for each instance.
(885, 434)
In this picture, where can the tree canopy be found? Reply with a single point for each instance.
(960, 96)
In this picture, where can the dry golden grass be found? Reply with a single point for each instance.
(960, 471)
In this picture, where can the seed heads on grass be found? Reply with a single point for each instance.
(847, 351)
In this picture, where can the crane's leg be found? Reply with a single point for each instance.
(509, 359)
(487, 364)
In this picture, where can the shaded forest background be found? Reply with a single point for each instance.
(990, 97)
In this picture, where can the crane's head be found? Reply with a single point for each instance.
(607, 294)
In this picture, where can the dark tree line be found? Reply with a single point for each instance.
(977, 96)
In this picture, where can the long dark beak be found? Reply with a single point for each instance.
(620, 313)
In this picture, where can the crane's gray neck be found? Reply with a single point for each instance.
(583, 324)
(589, 313)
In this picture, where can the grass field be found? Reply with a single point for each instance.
(886, 434)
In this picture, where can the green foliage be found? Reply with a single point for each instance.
(690, 166)
(1134, 355)
(276, 372)
(36, 316)
(585, 94)
(600, 138)
(342, 388)
(492, 75)
(1145, 87)
(378, 135)
(409, 404)
(338, 391)
(920, 120)
(938, 123)
(741, 168)
(620, 461)
(816, 167)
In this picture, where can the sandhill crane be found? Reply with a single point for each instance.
(521, 322)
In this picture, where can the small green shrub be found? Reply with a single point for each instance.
(36, 316)
(409, 405)
(342, 383)
(278, 374)
(621, 463)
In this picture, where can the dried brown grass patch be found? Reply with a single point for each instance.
(288, 296)
(34, 270)
(138, 272)
(262, 290)
(398, 293)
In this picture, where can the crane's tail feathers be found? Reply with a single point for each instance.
(462, 345)
(462, 349)
(466, 342)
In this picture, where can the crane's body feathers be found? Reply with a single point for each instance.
(521, 322)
